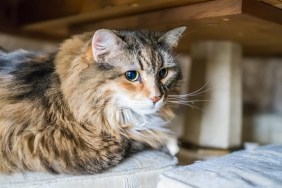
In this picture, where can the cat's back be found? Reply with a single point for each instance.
(10, 61)
(15, 64)
(25, 74)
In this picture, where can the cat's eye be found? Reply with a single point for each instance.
(163, 73)
(132, 75)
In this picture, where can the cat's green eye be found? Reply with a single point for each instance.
(132, 75)
(163, 73)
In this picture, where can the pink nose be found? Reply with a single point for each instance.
(155, 99)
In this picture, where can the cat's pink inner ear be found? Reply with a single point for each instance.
(104, 42)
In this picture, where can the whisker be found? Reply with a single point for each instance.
(190, 94)
(200, 88)
(190, 105)
(194, 93)
(188, 101)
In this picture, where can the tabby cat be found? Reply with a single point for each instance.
(81, 110)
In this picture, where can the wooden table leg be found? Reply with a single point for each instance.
(218, 122)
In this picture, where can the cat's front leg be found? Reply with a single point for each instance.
(156, 139)
(171, 146)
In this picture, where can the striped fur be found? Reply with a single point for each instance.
(63, 113)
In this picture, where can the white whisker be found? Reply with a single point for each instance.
(189, 101)
(200, 88)
(194, 93)
(190, 94)
(185, 104)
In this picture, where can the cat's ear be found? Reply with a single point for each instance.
(105, 42)
(171, 38)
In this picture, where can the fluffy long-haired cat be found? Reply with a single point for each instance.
(81, 110)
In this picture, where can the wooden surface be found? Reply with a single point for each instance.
(257, 26)
(276, 3)
(45, 15)
(108, 12)
(189, 155)
(254, 24)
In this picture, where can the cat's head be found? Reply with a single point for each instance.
(144, 64)
(129, 69)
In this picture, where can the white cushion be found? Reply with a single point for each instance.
(261, 167)
(140, 170)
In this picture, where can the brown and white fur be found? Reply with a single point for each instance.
(75, 112)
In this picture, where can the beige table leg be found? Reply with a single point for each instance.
(218, 123)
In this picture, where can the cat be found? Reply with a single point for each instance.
(82, 109)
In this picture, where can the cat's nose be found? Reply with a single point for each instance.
(155, 99)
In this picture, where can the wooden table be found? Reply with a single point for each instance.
(254, 24)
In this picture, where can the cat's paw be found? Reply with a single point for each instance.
(172, 147)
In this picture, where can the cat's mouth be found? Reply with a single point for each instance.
(142, 107)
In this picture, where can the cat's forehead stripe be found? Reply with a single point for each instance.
(140, 63)
(144, 59)
(152, 59)
(149, 61)
(142, 38)
(161, 59)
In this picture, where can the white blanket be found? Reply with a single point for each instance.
(141, 170)
(261, 167)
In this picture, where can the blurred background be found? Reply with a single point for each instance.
(231, 58)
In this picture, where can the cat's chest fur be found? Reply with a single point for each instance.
(143, 122)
